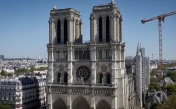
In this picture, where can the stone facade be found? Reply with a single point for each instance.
(89, 75)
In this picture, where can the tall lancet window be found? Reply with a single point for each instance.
(100, 29)
(65, 31)
(59, 32)
(107, 29)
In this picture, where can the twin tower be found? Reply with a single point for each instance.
(105, 25)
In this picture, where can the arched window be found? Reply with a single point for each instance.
(59, 77)
(101, 78)
(65, 31)
(107, 29)
(59, 32)
(65, 77)
(108, 77)
(100, 29)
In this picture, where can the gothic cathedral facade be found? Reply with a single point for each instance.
(86, 75)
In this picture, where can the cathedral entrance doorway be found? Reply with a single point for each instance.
(102, 104)
(80, 103)
(59, 104)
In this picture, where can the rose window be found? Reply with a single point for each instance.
(83, 72)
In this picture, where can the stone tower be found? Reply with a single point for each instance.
(86, 75)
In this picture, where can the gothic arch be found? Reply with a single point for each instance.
(102, 104)
(59, 77)
(65, 31)
(108, 78)
(107, 29)
(59, 31)
(100, 29)
(65, 77)
(80, 103)
(59, 104)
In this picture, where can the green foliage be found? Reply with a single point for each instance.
(154, 86)
(153, 72)
(172, 75)
(169, 65)
(41, 68)
(3, 106)
(24, 70)
(153, 80)
(4, 73)
(170, 103)
(171, 88)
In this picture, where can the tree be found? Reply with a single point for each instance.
(171, 88)
(4, 73)
(154, 86)
(172, 75)
(153, 72)
(169, 65)
(42, 69)
(22, 70)
(3, 106)
(170, 103)
(153, 80)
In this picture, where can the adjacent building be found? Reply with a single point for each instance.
(23, 92)
(92, 74)
(1, 57)
(142, 64)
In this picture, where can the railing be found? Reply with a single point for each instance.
(82, 84)
(79, 90)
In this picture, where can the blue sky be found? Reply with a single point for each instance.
(24, 25)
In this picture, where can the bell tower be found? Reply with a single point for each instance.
(105, 24)
(65, 26)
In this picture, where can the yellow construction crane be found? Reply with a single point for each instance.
(160, 19)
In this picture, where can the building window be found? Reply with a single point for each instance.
(65, 77)
(100, 30)
(107, 29)
(108, 76)
(59, 32)
(65, 31)
(59, 77)
(101, 78)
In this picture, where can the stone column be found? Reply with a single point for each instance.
(93, 28)
(70, 64)
(50, 31)
(74, 30)
(69, 102)
(70, 29)
(92, 103)
(114, 26)
(114, 65)
(93, 66)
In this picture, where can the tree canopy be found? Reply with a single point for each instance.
(171, 88)
(4, 73)
(170, 103)
(169, 65)
(25, 70)
(153, 72)
(154, 86)
(172, 75)
(3, 106)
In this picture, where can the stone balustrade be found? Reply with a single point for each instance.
(93, 89)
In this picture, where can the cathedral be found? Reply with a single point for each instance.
(87, 75)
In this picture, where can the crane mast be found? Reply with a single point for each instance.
(160, 19)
